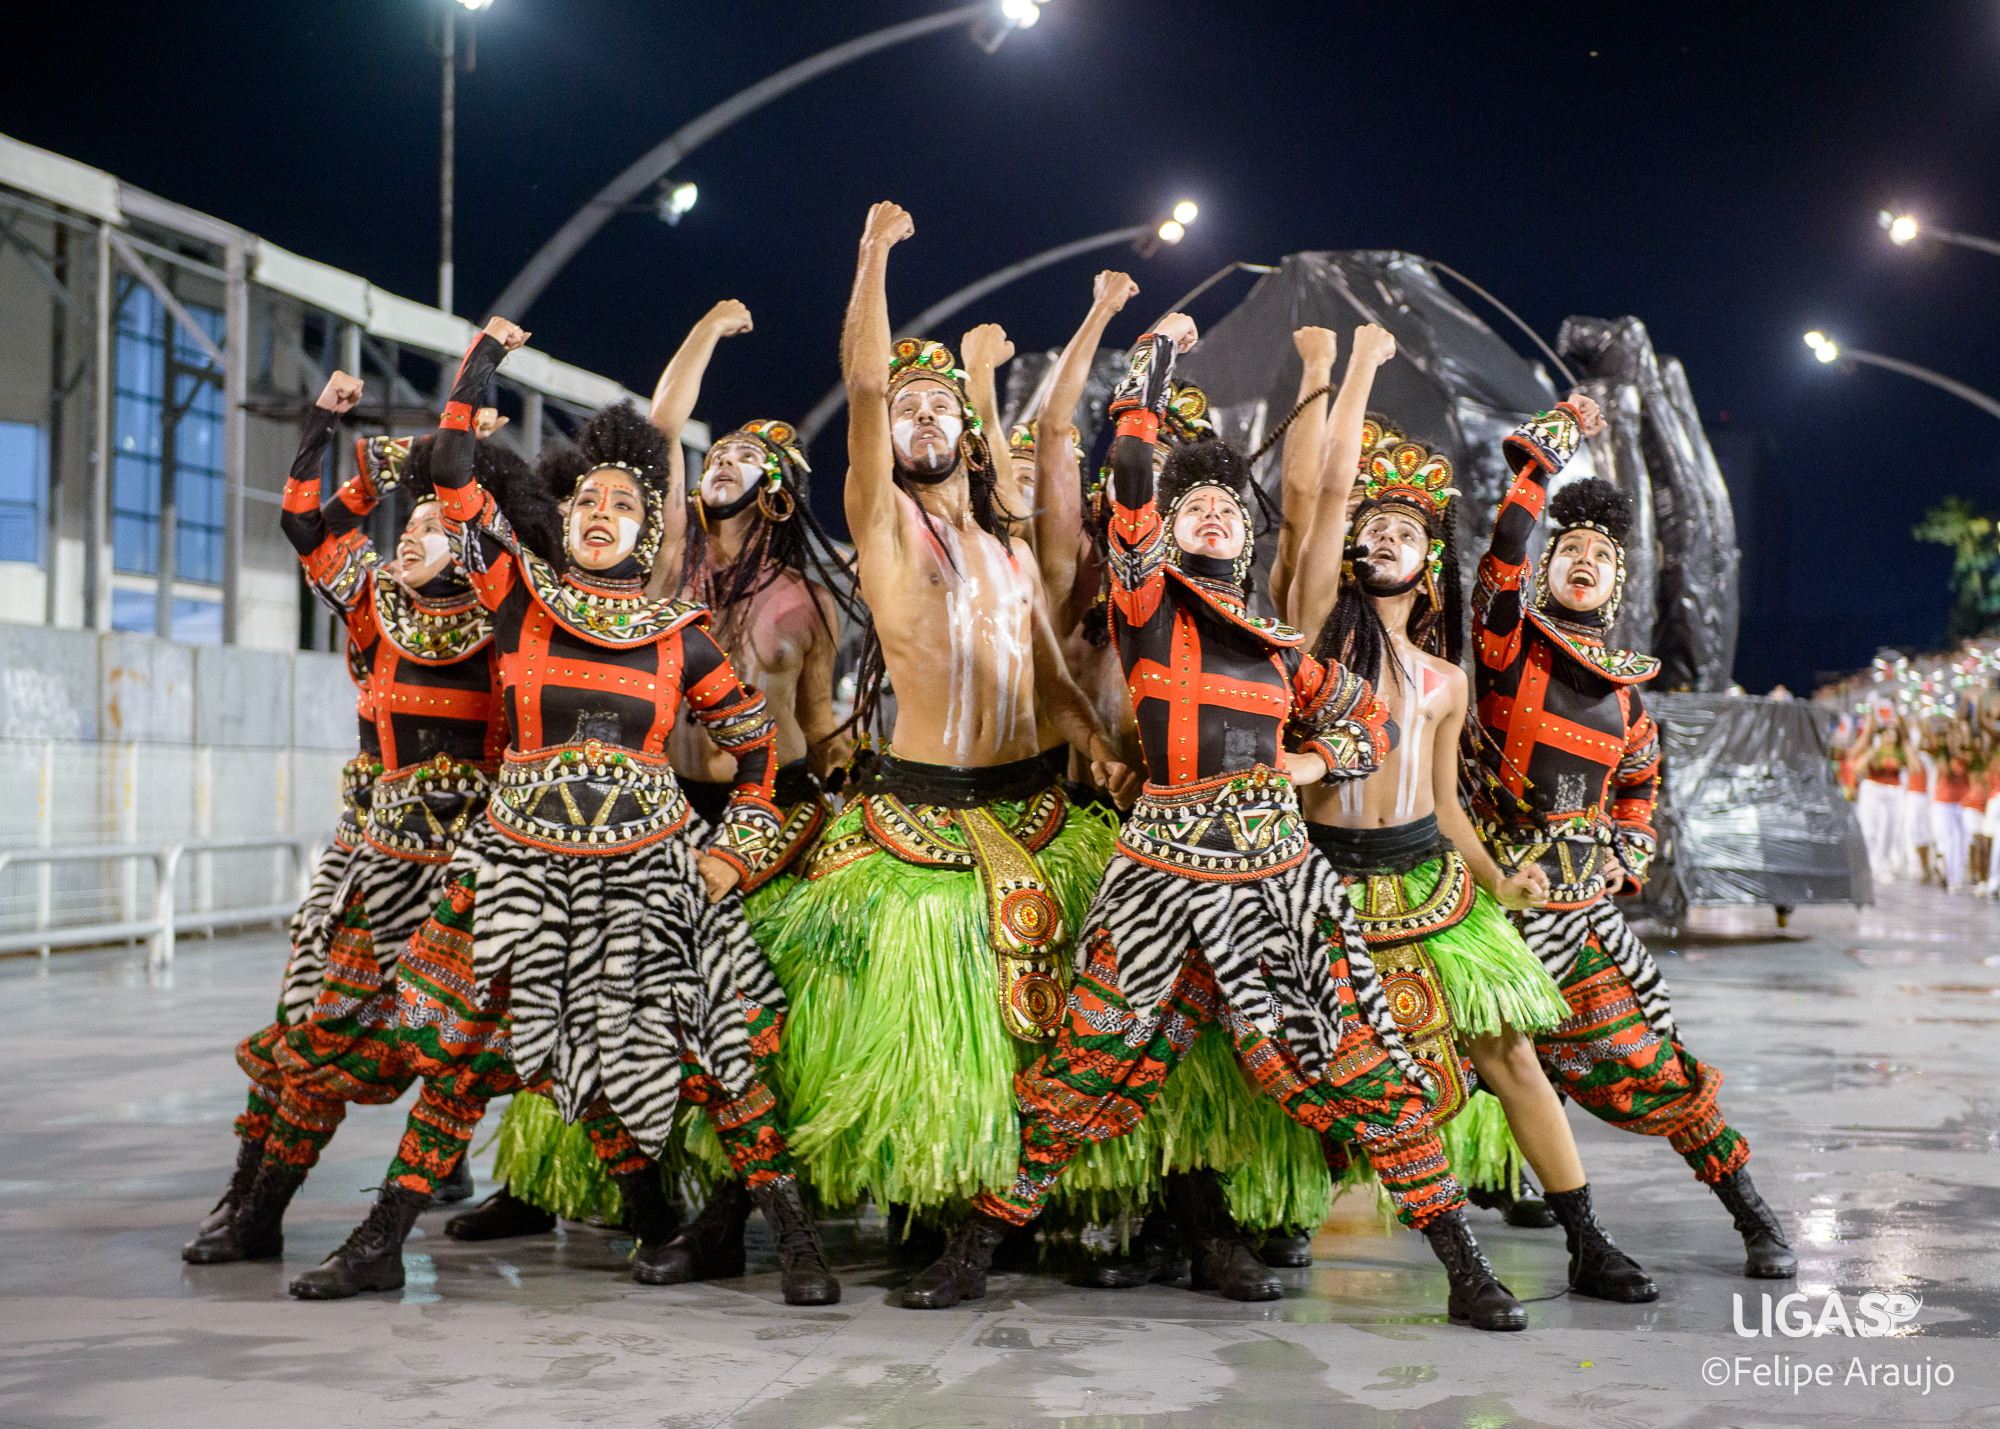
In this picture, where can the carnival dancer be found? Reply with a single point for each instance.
(1216, 908)
(1428, 898)
(1949, 839)
(924, 951)
(1914, 849)
(432, 729)
(1568, 774)
(758, 560)
(583, 941)
(1878, 801)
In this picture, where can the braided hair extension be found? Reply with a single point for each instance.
(1292, 416)
(797, 545)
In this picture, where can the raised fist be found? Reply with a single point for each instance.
(986, 346)
(1587, 413)
(728, 318)
(1317, 346)
(887, 224)
(486, 421)
(340, 393)
(1180, 327)
(1372, 345)
(1112, 290)
(505, 333)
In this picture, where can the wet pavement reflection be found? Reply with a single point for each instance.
(1860, 1057)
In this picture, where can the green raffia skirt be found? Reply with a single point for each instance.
(548, 1162)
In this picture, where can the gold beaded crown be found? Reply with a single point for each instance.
(915, 359)
(1186, 418)
(784, 457)
(1398, 471)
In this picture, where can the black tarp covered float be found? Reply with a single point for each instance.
(1749, 809)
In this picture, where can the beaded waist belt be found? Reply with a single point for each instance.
(357, 781)
(1577, 867)
(419, 812)
(1024, 923)
(1389, 914)
(587, 798)
(1411, 987)
(1222, 830)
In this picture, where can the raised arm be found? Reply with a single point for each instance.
(1302, 456)
(1316, 583)
(1138, 536)
(985, 350)
(864, 365)
(462, 503)
(1536, 450)
(1058, 521)
(674, 396)
(328, 539)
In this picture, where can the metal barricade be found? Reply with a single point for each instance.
(161, 928)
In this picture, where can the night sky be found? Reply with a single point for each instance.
(1714, 170)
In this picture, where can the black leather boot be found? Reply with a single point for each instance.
(500, 1216)
(372, 1257)
(709, 1247)
(249, 1156)
(1767, 1254)
(652, 1219)
(1223, 1258)
(457, 1184)
(1477, 1297)
(1524, 1209)
(802, 1267)
(1152, 1257)
(960, 1273)
(256, 1231)
(1288, 1248)
(1597, 1267)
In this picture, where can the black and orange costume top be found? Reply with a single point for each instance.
(1570, 760)
(1216, 690)
(429, 708)
(593, 675)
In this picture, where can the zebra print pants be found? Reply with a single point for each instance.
(606, 978)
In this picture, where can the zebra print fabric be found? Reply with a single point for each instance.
(1557, 936)
(310, 928)
(617, 967)
(398, 894)
(1262, 938)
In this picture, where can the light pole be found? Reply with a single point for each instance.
(1146, 238)
(989, 21)
(448, 54)
(1904, 229)
(1827, 350)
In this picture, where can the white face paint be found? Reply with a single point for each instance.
(628, 535)
(1560, 568)
(435, 546)
(905, 430)
(1396, 547)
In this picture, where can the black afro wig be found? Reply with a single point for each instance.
(1208, 462)
(616, 434)
(1595, 502)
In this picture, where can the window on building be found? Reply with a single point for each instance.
(24, 490)
(145, 330)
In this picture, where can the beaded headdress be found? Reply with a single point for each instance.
(785, 466)
(1396, 471)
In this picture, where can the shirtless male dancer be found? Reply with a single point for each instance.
(926, 949)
